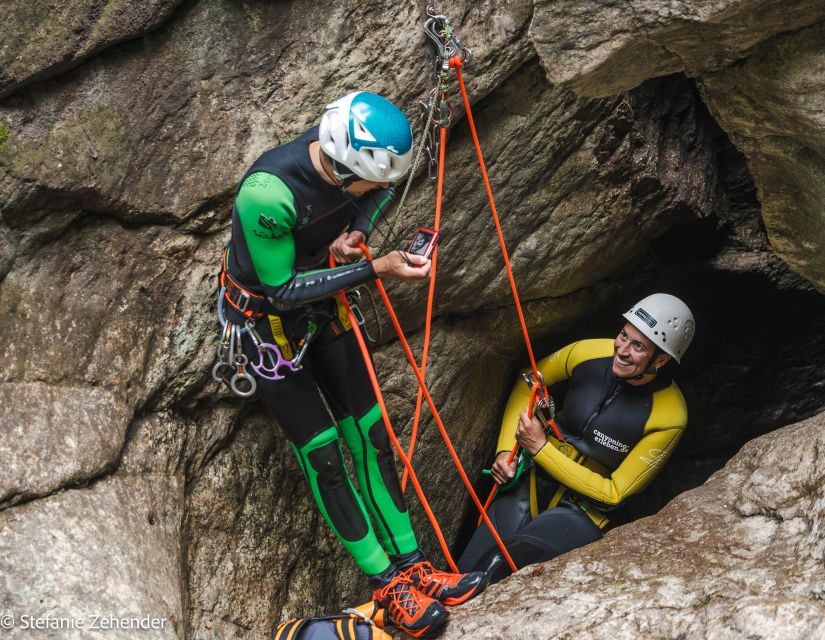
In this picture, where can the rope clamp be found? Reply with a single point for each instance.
(440, 31)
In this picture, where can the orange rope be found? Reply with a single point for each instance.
(430, 296)
(456, 63)
(459, 467)
(533, 393)
(391, 432)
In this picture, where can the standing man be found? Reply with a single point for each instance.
(320, 195)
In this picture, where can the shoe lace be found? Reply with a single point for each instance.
(426, 571)
(398, 594)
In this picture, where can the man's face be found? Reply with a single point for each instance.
(632, 351)
(360, 187)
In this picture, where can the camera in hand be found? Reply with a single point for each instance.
(424, 242)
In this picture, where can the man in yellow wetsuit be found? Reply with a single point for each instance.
(621, 420)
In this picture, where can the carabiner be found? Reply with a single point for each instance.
(243, 376)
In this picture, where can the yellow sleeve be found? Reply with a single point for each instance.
(554, 368)
(663, 429)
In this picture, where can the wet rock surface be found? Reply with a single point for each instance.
(739, 557)
(116, 179)
(604, 48)
(49, 37)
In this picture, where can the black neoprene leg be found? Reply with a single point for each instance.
(296, 404)
(550, 534)
(346, 379)
(509, 512)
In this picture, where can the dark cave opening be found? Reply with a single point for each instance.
(757, 362)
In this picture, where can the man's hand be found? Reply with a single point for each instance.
(407, 267)
(530, 434)
(345, 247)
(501, 471)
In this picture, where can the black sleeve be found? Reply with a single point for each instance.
(311, 286)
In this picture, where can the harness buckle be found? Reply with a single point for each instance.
(242, 295)
(356, 311)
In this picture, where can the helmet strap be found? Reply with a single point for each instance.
(343, 175)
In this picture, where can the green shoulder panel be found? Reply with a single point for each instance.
(266, 209)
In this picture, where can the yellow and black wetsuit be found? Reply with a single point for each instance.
(617, 436)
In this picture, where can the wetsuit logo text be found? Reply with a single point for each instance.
(271, 231)
(656, 456)
(610, 443)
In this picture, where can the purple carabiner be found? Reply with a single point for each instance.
(271, 373)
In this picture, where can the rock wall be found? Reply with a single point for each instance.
(739, 557)
(157, 493)
(762, 74)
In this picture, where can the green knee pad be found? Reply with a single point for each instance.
(323, 467)
(368, 442)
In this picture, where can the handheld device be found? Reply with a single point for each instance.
(424, 242)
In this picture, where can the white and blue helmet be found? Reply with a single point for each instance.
(368, 135)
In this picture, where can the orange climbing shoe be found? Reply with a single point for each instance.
(409, 609)
(447, 588)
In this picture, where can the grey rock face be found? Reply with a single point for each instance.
(50, 37)
(54, 436)
(770, 103)
(603, 48)
(162, 128)
(773, 107)
(116, 180)
(740, 557)
(111, 551)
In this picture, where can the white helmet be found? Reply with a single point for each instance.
(666, 320)
(368, 135)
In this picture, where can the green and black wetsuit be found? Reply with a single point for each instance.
(284, 219)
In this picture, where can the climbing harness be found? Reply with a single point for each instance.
(232, 365)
